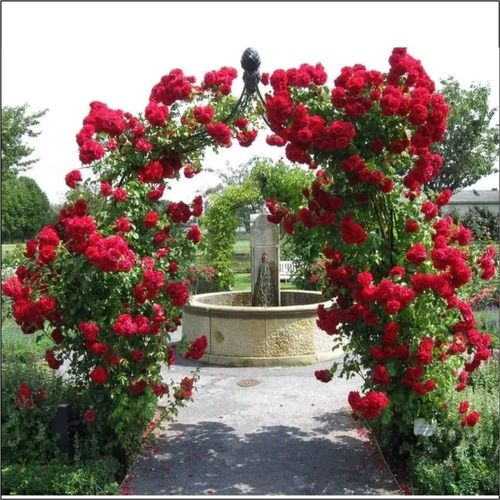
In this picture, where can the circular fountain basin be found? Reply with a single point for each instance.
(241, 335)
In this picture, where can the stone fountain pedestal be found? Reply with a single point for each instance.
(241, 335)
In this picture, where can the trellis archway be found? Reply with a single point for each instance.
(107, 280)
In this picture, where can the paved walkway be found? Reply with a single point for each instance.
(286, 435)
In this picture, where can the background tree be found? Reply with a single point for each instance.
(25, 208)
(236, 176)
(470, 146)
(17, 127)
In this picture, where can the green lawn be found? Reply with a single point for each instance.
(242, 283)
(7, 247)
(242, 245)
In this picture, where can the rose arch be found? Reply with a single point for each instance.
(107, 281)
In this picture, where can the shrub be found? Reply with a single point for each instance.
(462, 460)
(483, 223)
(90, 478)
(395, 271)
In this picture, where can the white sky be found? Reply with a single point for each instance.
(63, 55)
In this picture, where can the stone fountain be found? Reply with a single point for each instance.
(264, 326)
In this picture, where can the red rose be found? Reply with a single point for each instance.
(380, 375)
(156, 114)
(178, 292)
(323, 375)
(57, 336)
(137, 355)
(138, 387)
(352, 232)
(220, 133)
(73, 178)
(417, 254)
(390, 335)
(51, 359)
(194, 234)
(142, 145)
(463, 407)
(99, 348)
(99, 375)
(470, 420)
(89, 329)
(197, 348)
(412, 226)
(123, 224)
(89, 415)
(185, 390)
(203, 114)
(151, 219)
(179, 212)
(159, 389)
(443, 198)
(430, 210)
(119, 194)
(106, 188)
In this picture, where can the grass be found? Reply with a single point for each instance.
(487, 320)
(8, 247)
(242, 283)
(242, 246)
(16, 346)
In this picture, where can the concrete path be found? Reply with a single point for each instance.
(286, 435)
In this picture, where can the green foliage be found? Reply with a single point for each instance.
(20, 348)
(26, 435)
(458, 460)
(220, 222)
(89, 478)
(470, 145)
(483, 223)
(17, 127)
(488, 320)
(230, 208)
(25, 208)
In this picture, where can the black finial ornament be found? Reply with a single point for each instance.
(250, 62)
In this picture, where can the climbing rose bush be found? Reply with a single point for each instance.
(394, 268)
(108, 280)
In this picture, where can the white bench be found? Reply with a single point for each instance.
(286, 269)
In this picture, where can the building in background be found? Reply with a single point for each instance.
(462, 201)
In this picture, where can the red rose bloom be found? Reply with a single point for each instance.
(178, 292)
(138, 387)
(151, 219)
(73, 178)
(443, 198)
(194, 234)
(203, 114)
(89, 415)
(417, 254)
(463, 407)
(323, 375)
(179, 212)
(137, 355)
(470, 420)
(106, 189)
(119, 194)
(197, 348)
(99, 375)
(380, 375)
(220, 133)
(352, 232)
(156, 114)
(412, 226)
(159, 389)
(123, 224)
